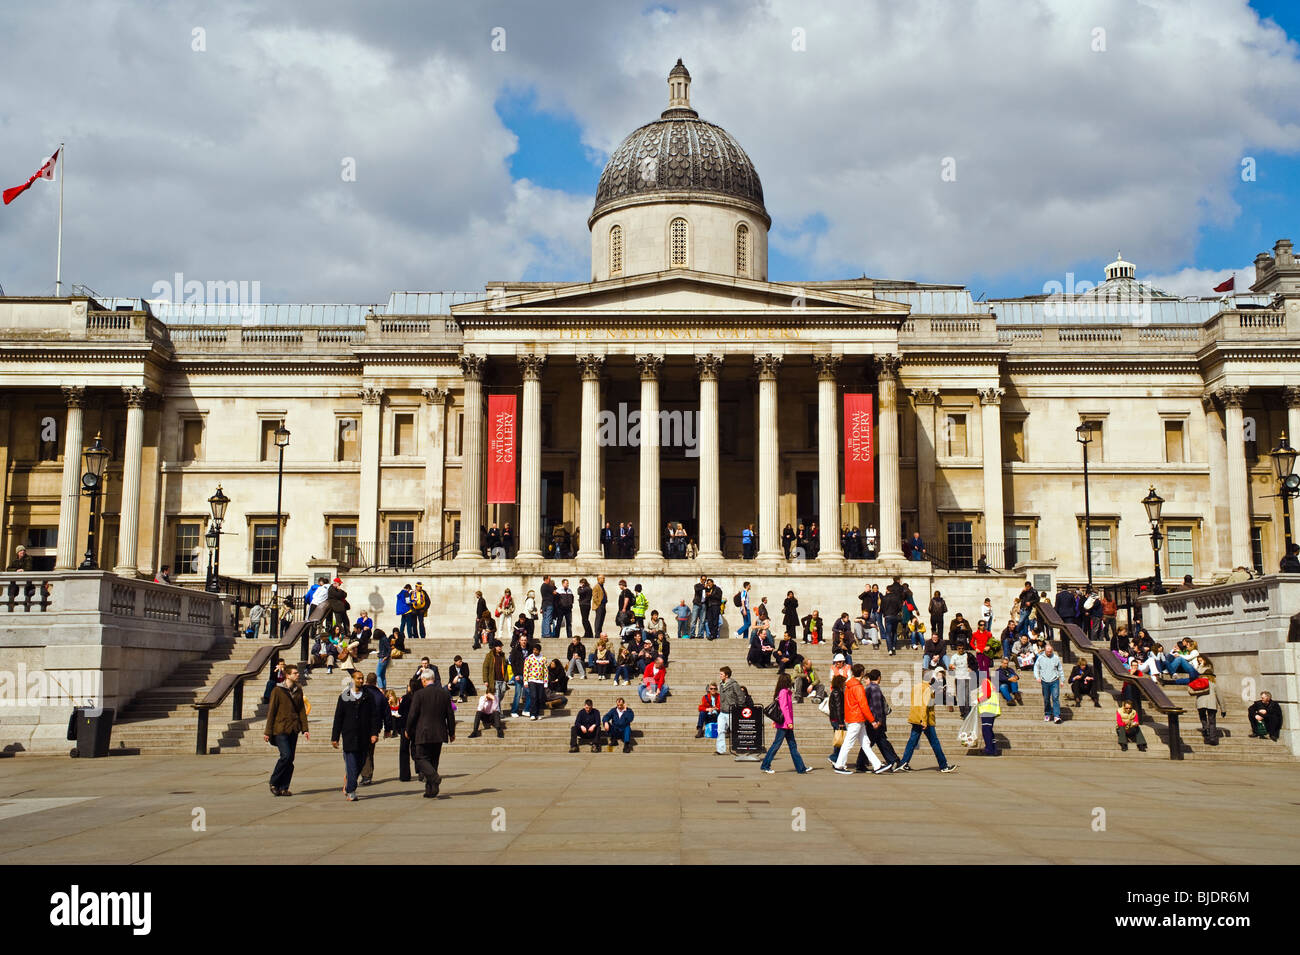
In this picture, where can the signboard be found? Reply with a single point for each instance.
(747, 729)
(859, 450)
(502, 449)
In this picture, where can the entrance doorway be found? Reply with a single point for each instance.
(679, 502)
(808, 496)
(552, 504)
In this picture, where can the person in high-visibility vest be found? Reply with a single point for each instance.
(640, 604)
(990, 709)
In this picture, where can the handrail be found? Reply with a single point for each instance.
(1103, 659)
(298, 632)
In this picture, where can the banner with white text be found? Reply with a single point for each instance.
(859, 450)
(502, 447)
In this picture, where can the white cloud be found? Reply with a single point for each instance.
(1193, 281)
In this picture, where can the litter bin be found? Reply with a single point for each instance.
(91, 729)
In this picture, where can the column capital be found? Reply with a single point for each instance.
(591, 366)
(74, 396)
(708, 366)
(372, 396)
(530, 366)
(1291, 396)
(767, 366)
(828, 366)
(436, 396)
(650, 366)
(991, 396)
(1232, 396)
(471, 367)
(924, 396)
(887, 365)
(136, 397)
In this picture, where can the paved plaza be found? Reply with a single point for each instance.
(646, 808)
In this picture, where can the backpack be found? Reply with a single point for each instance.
(419, 600)
(736, 599)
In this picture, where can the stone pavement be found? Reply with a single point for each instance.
(646, 808)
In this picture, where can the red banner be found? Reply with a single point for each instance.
(859, 450)
(502, 449)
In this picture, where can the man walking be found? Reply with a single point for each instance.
(385, 713)
(857, 714)
(356, 726)
(876, 729)
(285, 719)
(743, 631)
(1048, 670)
(430, 723)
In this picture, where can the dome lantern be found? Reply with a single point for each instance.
(679, 87)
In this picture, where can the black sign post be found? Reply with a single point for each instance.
(747, 731)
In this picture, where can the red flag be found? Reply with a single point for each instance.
(859, 450)
(501, 449)
(45, 172)
(1227, 286)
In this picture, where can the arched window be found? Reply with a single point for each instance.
(677, 244)
(742, 249)
(616, 250)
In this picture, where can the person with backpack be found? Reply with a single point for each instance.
(731, 695)
(741, 600)
(420, 606)
(781, 712)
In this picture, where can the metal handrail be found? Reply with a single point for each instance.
(299, 632)
(1073, 639)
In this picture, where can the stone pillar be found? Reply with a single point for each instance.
(70, 501)
(435, 457)
(995, 532)
(1238, 486)
(1291, 396)
(589, 465)
(6, 450)
(769, 459)
(891, 516)
(828, 458)
(926, 452)
(128, 537)
(709, 368)
(1217, 535)
(471, 461)
(372, 405)
(650, 533)
(530, 459)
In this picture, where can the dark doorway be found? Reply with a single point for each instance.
(679, 502)
(808, 490)
(552, 503)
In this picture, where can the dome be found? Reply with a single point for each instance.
(679, 153)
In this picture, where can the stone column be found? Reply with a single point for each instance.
(828, 458)
(926, 452)
(589, 464)
(769, 459)
(995, 531)
(650, 533)
(128, 538)
(529, 530)
(372, 405)
(435, 458)
(709, 368)
(6, 450)
(1291, 396)
(70, 501)
(1238, 486)
(891, 516)
(471, 461)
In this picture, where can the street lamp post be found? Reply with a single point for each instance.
(92, 482)
(1083, 434)
(1288, 487)
(218, 502)
(281, 442)
(1153, 502)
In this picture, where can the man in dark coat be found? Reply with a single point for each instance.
(356, 726)
(430, 723)
(713, 608)
(385, 713)
(1066, 605)
(1265, 717)
(607, 541)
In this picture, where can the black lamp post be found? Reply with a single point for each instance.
(1083, 434)
(1153, 502)
(92, 482)
(218, 502)
(1288, 483)
(281, 442)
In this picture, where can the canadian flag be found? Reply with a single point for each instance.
(45, 172)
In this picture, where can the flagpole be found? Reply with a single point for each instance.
(58, 261)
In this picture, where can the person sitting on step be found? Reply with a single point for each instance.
(586, 728)
(708, 709)
(617, 725)
(489, 713)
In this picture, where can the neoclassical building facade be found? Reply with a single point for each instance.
(977, 406)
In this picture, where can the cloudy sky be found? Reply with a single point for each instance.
(220, 141)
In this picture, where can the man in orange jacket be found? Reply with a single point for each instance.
(857, 714)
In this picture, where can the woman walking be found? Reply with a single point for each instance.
(1209, 705)
(784, 698)
(838, 726)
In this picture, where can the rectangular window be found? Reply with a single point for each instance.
(1099, 551)
(1096, 443)
(269, 452)
(954, 436)
(1257, 548)
(1013, 440)
(1018, 549)
(811, 414)
(1178, 544)
(42, 537)
(186, 553)
(1174, 442)
(347, 441)
(265, 550)
(343, 544)
(960, 545)
(401, 543)
(191, 440)
(460, 433)
(403, 434)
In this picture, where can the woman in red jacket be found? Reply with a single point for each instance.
(708, 709)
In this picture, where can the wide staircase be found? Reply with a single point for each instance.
(163, 720)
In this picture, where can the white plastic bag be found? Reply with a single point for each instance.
(969, 733)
